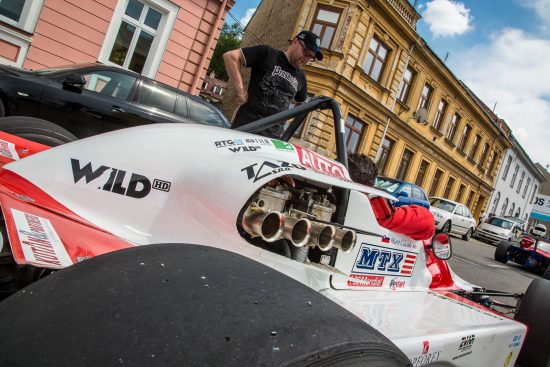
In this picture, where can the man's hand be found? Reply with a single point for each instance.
(234, 60)
(242, 97)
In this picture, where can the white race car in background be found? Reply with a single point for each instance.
(195, 245)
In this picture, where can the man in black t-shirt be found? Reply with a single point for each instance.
(276, 79)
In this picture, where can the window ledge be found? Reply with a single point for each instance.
(450, 143)
(435, 131)
(404, 106)
(461, 152)
(369, 79)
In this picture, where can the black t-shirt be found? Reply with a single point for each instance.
(274, 83)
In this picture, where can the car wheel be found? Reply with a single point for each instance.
(546, 274)
(169, 304)
(533, 311)
(446, 227)
(501, 252)
(37, 130)
(468, 234)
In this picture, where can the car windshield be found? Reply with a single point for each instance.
(386, 184)
(443, 205)
(500, 222)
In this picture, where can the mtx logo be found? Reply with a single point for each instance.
(115, 180)
(373, 259)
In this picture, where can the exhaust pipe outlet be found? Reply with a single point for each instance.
(297, 230)
(322, 235)
(268, 225)
(345, 239)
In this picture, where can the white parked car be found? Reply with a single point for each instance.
(452, 217)
(496, 229)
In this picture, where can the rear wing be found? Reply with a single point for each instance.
(13, 148)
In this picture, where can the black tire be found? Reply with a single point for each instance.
(533, 311)
(468, 234)
(37, 130)
(182, 305)
(546, 274)
(501, 252)
(446, 227)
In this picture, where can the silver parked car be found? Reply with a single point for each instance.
(496, 229)
(452, 217)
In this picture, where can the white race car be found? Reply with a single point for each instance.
(259, 252)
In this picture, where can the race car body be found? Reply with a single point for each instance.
(531, 252)
(270, 201)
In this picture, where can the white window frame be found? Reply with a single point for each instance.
(29, 16)
(16, 39)
(169, 14)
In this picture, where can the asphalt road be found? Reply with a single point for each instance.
(473, 261)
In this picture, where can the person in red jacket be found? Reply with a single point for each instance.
(412, 220)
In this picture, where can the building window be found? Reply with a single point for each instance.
(204, 86)
(406, 86)
(421, 173)
(137, 37)
(455, 121)
(533, 195)
(440, 115)
(504, 206)
(465, 137)
(218, 90)
(495, 203)
(435, 182)
(475, 147)
(449, 187)
(520, 182)
(425, 97)
(22, 14)
(507, 167)
(470, 199)
(376, 58)
(325, 24)
(511, 211)
(354, 133)
(484, 154)
(516, 170)
(526, 187)
(404, 165)
(460, 192)
(493, 163)
(387, 146)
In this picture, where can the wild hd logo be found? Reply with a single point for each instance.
(115, 180)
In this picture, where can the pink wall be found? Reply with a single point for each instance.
(73, 31)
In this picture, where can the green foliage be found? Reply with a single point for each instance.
(230, 39)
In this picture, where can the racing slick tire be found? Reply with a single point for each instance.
(37, 130)
(446, 227)
(501, 252)
(533, 311)
(468, 234)
(176, 304)
(546, 274)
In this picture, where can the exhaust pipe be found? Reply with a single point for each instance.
(268, 225)
(297, 230)
(345, 239)
(322, 235)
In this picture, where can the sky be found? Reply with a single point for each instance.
(499, 48)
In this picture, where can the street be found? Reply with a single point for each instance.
(473, 261)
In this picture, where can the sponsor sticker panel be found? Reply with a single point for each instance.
(372, 281)
(428, 355)
(381, 260)
(7, 150)
(40, 242)
(258, 171)
(247, 145)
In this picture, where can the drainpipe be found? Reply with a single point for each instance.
(379, 151)
(208, 47)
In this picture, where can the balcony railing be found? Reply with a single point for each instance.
(406, 10)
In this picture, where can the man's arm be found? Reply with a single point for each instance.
(234, 61)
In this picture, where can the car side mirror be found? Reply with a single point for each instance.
(75, 80)
(441, 246)
(403, 193)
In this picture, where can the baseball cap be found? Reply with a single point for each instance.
(312, 42)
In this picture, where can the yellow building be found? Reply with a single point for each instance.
(402, 105)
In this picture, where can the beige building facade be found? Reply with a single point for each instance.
(401, 104)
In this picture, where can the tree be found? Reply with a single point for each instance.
(230, 39)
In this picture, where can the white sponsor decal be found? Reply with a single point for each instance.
(40, 243)
(7, 149)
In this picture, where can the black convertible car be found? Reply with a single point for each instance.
(89, 99)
